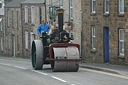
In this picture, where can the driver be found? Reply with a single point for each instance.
(43, 27)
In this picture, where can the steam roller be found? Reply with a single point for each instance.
(56, 48)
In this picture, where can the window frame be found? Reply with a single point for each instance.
(13, 19)
(120, 9)
(8, 41)
(1, 25)
(92, 10)
(32, 14)
(121, 41)
(26, 40)
(51, 3)
(70, 9)
(107, 12)
(8, 18)
(26, 14)
(17, 20)
(1, 5)
(93, 36)
(2, 44)
(32, 34)
(61, 3)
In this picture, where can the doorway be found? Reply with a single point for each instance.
(106, 44)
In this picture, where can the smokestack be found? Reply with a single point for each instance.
(60, 19)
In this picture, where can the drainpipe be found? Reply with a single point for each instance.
(81, 30)
(4, 35)
(22, 30)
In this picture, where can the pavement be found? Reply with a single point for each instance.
(116, 69)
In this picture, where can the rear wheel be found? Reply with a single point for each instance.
(37, 54)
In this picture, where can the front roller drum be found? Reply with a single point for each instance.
(65, 53)
(37, 54)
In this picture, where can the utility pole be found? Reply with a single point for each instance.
(45, 12)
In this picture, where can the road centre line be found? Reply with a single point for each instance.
(59, 79)
(106, 73)
(19, 67)
(13, 66)
(39, 72)
(36, 72)
(52, 76)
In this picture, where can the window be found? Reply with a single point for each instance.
(26, 40)
(1, 44)
(17, 42)
(0, 5)
(26, 14)
(17, 20)
(8, 41)
(40, 14)
(1, 25)
(61, 3)
(93, 37)
(8, 15)
(32, 37)
(12, 19)
(51, 3)
(32, 15)
(121, 41)
(51, 11)
(93, 6)
(71, 10)
(121, 6)
(106, 6)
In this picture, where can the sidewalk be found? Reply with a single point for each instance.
(117, 69)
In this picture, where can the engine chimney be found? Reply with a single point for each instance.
(60, 19)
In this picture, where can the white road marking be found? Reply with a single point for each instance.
(105, 73)
(5, 64)
(59, 79)
(39, 72)
(13, 66)
(19, 67)
(73, 84)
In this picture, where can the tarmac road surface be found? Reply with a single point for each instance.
(16, 71)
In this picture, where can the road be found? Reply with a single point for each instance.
(19, 72)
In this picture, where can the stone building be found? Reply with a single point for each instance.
(22, 18)
(72, 14)
(33, 11)
(105, 31)
(13, 32)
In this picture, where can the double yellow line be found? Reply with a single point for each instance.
(106, 73)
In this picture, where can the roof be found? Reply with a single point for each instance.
(32, 1)
(14, 3)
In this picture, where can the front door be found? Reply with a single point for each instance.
(106, 44)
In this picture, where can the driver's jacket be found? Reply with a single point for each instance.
(42, 27)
